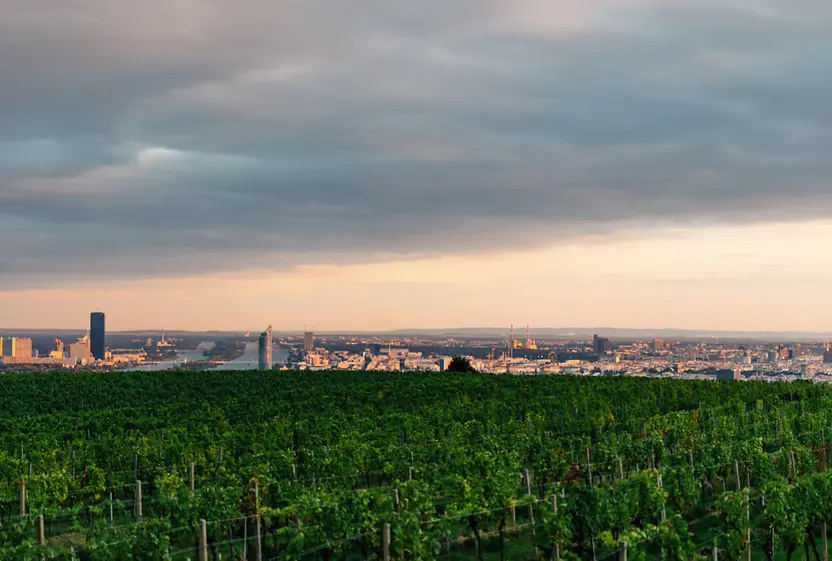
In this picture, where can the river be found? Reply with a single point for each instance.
(247, 361)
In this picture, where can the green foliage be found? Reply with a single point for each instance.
(460, 364)
(329, 452)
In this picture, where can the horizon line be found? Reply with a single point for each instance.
(519, 330)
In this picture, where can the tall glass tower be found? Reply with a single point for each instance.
(97, 335)
(264, 350)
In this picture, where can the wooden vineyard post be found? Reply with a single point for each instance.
(385, 542)
(396, 500)
(737, 474)
(203, 540)
(191, 474)
(823, 540)
(771, 528)
(715, 552)
(513, 516)
(588, 467)
(138, 506)
(135, 466)
(294, 472)
(527, 476)
(664, 511)
(111, 507)
(22, 499)
(748, 521)
(257, 511)
(620, 469)
(41, 533)
(555, 545)
(622, 552)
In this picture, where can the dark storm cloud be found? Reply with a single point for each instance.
(144, 140)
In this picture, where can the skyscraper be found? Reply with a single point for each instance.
(1, 348)
(264, 350)
(97, 335)
(601, 345)
(308, 341)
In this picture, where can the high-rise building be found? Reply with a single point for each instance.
(308, 341)
(601, 345)
(264, 350)
(658, 345)
(98, 345)
(21, 347)
(1, 348)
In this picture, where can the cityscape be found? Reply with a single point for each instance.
(316, 280)
(517, 352)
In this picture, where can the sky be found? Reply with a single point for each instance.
(373, 165)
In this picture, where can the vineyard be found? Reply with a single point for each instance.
(358, 466)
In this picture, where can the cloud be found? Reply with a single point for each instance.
(144, 139)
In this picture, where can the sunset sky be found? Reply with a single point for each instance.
(367, 164)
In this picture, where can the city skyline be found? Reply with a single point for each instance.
(361, 167)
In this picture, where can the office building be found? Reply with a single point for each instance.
(308, 341)
(80, 350)
(264, 350)
(395, 352)
(1, 348)
(601, 345)
(658, 345)
(725, 374)
(97, 335)
(21, 348)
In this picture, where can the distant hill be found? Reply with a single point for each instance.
(478, 332)
(619, 333)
